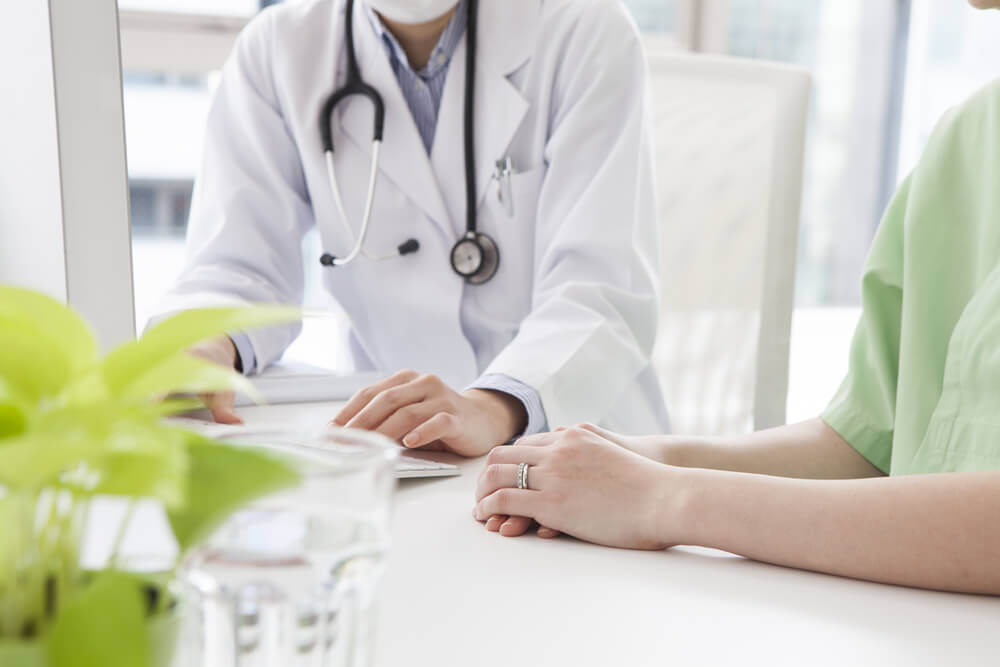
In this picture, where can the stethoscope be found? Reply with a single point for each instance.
(475, 256)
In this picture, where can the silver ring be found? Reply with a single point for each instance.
(522, 475)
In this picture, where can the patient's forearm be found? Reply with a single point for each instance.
(930, 531)
(810, 450)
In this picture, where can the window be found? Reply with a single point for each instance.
(171, 52)
(210, 7)
(884, 72)
(164, 122)
(656, 17)
(848, 46)
(954, 50)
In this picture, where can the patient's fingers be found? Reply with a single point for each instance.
(514, 454)
(515, 526)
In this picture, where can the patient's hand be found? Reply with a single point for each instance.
(655, 447)
(584, 485)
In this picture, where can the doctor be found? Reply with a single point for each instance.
(503, 243)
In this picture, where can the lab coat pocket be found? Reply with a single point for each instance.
(511, 217)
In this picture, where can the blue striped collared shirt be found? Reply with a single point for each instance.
(423, 89)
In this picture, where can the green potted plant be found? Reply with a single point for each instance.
(75, 427)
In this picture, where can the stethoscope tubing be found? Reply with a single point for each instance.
(355, 86)
(359, 241)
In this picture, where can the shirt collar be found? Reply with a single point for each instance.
(443, 51)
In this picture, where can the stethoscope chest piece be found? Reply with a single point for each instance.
(475, 257)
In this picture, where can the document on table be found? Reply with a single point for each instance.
(292, 382)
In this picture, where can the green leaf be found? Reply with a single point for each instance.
(30, 366)
(180, 332)
(31, 461)
(102, 626)
(222, 479)
(22, 654)
(63, 329)
(12, 421)
(14, 411)
(182, 373)
(83, 389)
(173, 406)
(104, 449)
(144, 475)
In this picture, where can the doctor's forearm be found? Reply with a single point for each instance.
(929, 531)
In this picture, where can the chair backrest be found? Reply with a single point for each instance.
(730, 138)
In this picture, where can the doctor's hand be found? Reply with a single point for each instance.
(584, 485)
(219, 351)
(421, 411)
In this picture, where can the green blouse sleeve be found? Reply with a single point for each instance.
(863, 411)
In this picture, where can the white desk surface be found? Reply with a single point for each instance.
(454, 594)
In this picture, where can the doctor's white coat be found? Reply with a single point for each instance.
(562, 90)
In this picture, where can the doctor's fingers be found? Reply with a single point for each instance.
(442, 427)
(221, 407)
(403, 397)
(403, 420)
(366, 395)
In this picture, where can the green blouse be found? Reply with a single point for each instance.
(923, 390)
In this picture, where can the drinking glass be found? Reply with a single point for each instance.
(289, 580)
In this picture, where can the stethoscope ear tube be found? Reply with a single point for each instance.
(354, 85)
(487, 256)
(351, 89)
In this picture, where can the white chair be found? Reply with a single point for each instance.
(730, 138)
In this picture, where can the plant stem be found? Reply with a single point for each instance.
(122, 530)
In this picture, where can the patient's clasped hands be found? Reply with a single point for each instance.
(583, 484)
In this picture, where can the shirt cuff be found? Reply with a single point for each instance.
(245, 352)
(529, 398)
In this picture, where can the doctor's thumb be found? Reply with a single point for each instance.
(221, 407)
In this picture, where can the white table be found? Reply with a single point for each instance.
(455, 594)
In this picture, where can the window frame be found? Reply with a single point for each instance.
(177, 43)
(64, 182)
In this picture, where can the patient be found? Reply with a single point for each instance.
(898, 481)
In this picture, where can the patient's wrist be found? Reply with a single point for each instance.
(685, 514)
(675, 519)
(681, 451)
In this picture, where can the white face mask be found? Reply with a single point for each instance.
(412, 11)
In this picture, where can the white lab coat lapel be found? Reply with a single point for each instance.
(506, 39)
(404, 159)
